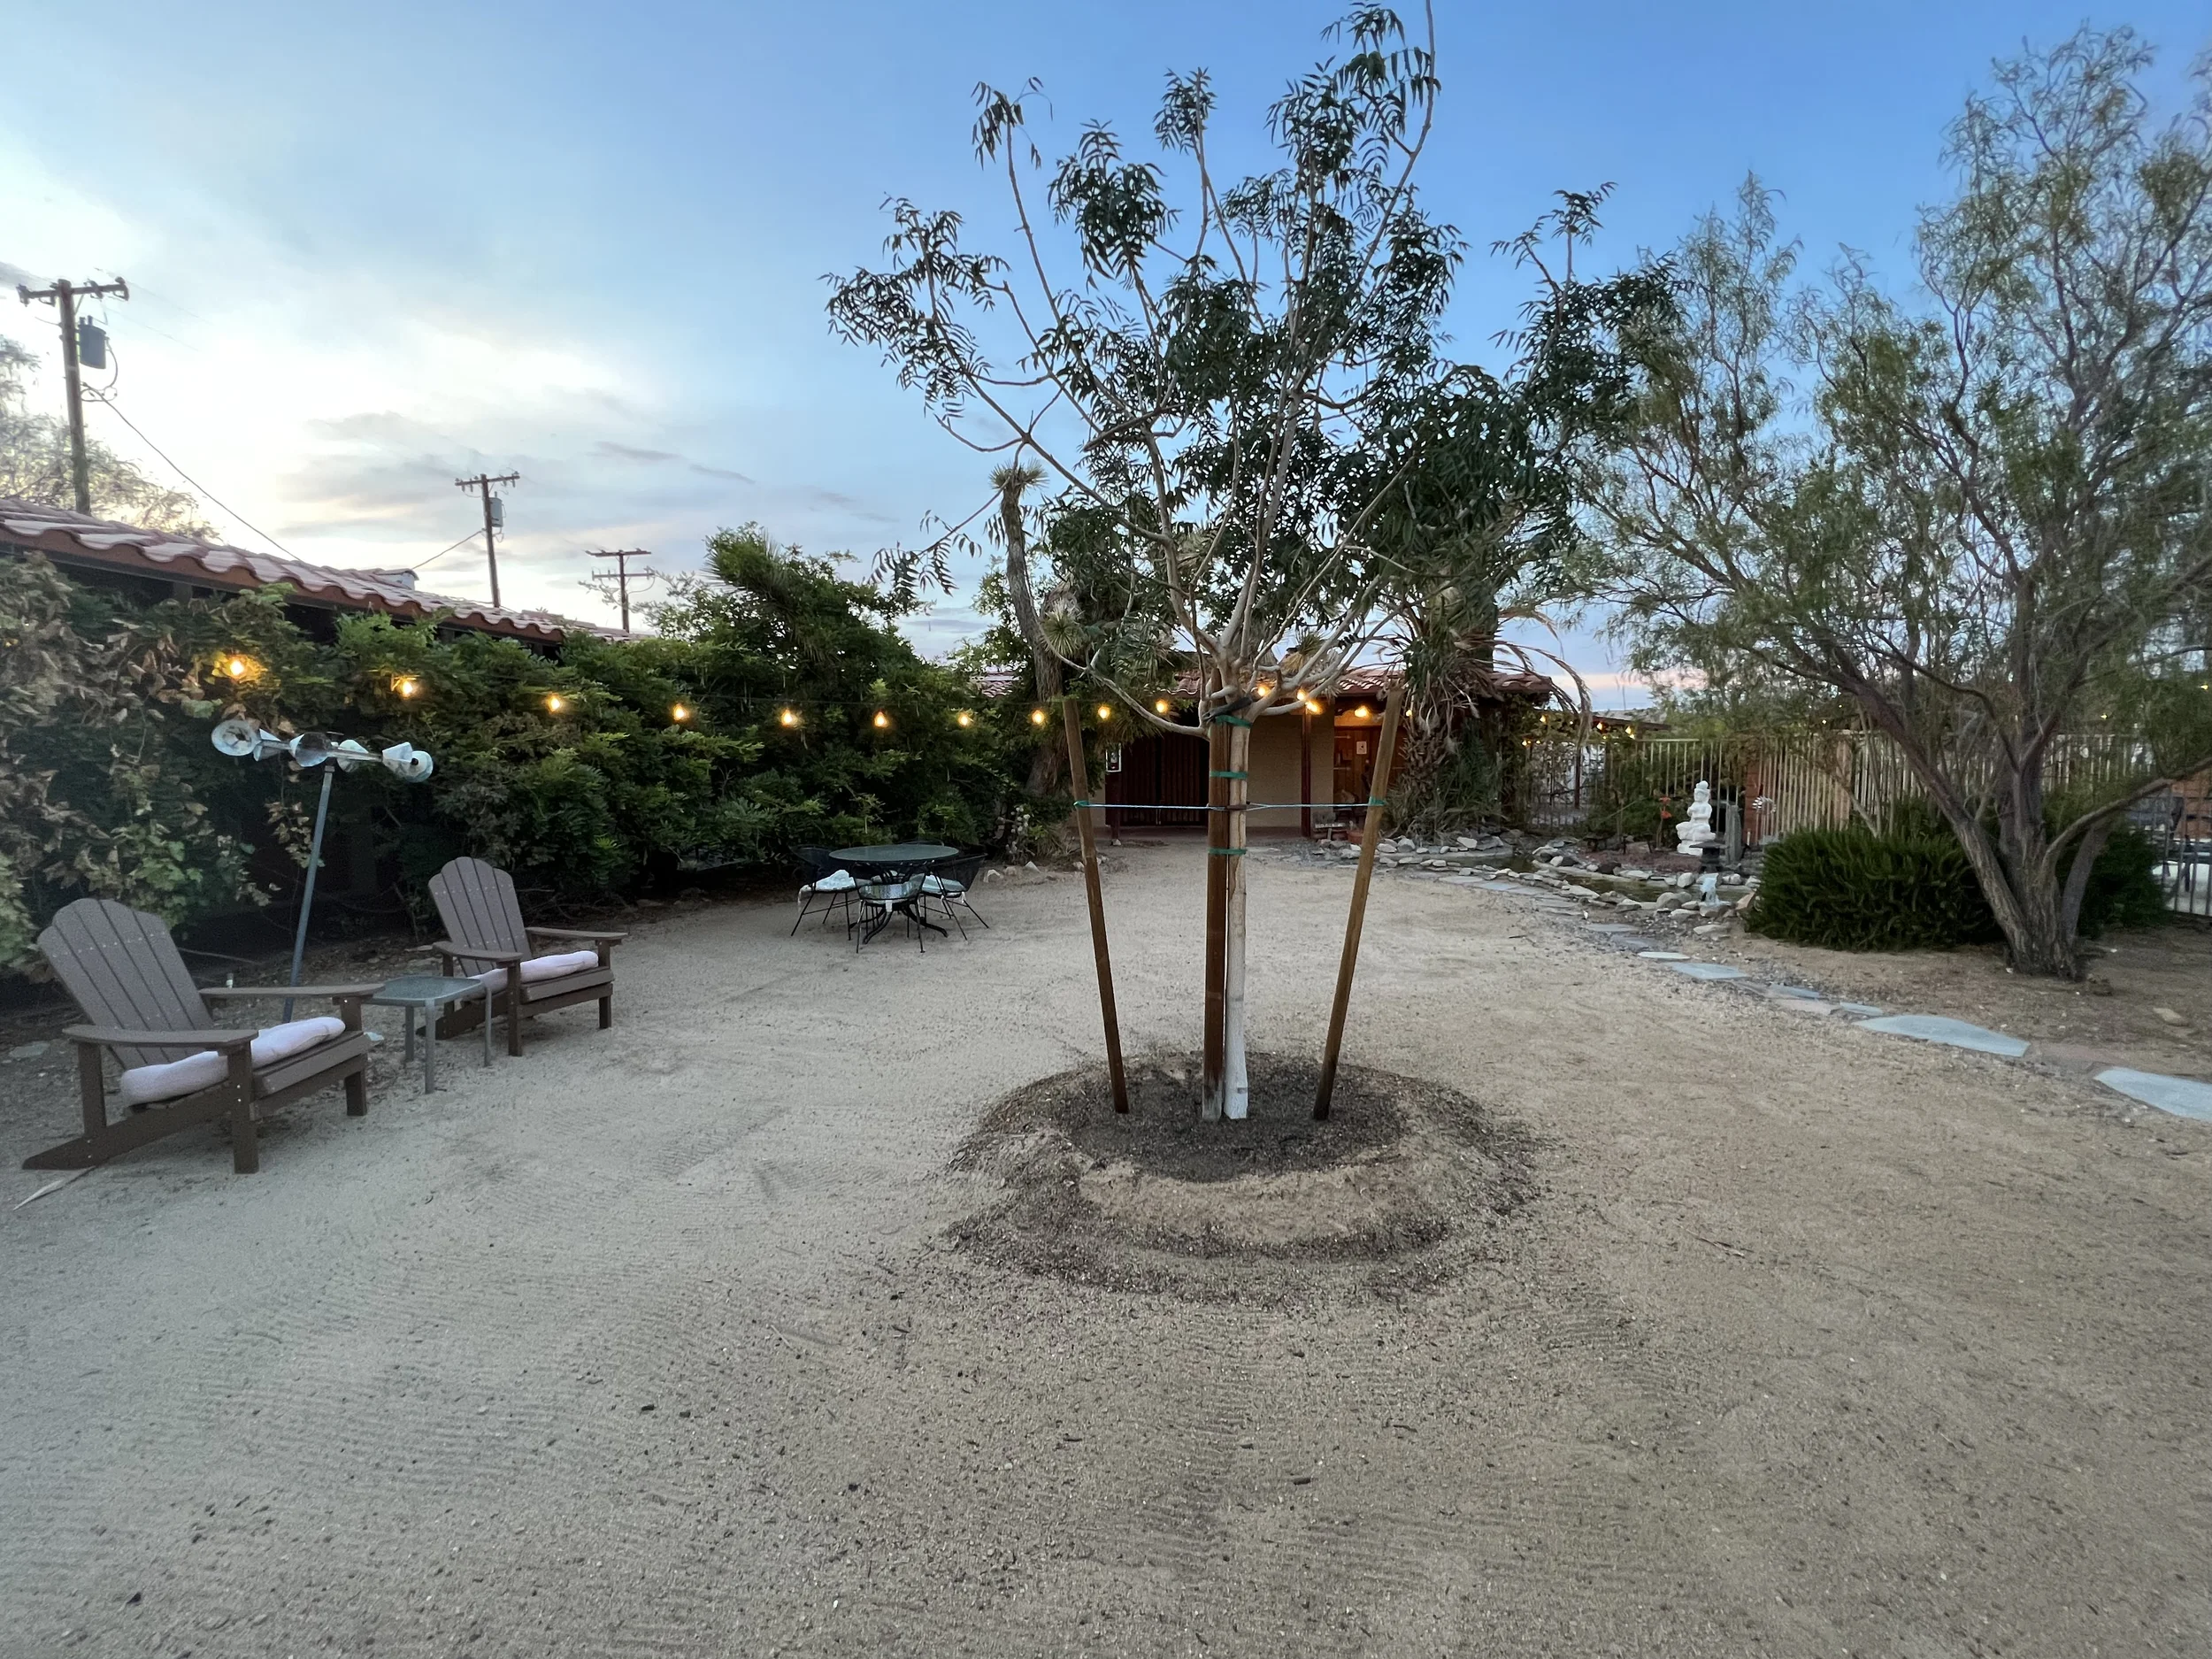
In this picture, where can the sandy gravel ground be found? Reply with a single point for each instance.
(658, 1341)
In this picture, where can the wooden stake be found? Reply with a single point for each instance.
(1377, 786)
(1081, 774)
(1215, 1062)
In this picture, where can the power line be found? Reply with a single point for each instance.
(115, 409)
(422, 565)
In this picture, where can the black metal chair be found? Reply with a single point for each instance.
(888, 892)
(827, 880)
(948, 884)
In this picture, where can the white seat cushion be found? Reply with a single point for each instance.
(541, 968)
(944, 887)
(143, 1084)
(836, 881)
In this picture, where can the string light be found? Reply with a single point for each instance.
(1363, 712)
(1105, 710)
(1036, 717)
(789, 717)
(555, 703)
(407, 685)
(963, 718)
(1161, 705)
(882, 720)
(679, 714)
(240, 667)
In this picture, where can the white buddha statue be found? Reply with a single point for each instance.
(1695, 832)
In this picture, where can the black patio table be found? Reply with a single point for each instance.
(890, 880)
(907, 856)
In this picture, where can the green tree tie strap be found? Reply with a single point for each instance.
(1228, 774)
(1230, 719)
(1226, 852)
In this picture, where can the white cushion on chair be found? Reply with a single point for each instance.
(836, 881)
(541, 968)
(942, 887)
(143, 1083)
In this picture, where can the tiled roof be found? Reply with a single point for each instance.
(73, 539)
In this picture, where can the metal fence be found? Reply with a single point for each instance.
(1770, 783)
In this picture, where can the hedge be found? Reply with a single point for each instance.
(1909, 888)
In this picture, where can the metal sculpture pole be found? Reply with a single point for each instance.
(1378, 785)
(245, 740)
(307, 898)
(1081, 774)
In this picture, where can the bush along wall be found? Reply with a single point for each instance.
(779, 706)
(1909, 888)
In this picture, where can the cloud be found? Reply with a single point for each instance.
(629, 452)
(719, 472)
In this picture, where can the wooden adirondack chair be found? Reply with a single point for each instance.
(484, 926)
(128, 978)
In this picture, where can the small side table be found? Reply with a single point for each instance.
(431, 994)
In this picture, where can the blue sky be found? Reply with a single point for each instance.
(373, 248)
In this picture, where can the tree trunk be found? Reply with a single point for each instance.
(1236, 1087)
(1044, 762)
(2022, 888)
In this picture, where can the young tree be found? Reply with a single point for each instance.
(1194, 383)
(1984, 519)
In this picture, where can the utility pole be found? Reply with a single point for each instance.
(622, 576)
(64, 296)
(492, 513)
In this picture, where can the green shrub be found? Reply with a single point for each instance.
(1909, 888)
(574, 772)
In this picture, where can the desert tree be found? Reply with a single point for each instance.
(1980, 512)
(1186, 359)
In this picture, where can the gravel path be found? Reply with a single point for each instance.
(660, 1340)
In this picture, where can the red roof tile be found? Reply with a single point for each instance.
(71, 538)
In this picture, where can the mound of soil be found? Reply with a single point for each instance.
(1405, 1180)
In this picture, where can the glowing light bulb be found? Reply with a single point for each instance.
(789, 717)
(1162, 706)
(1036, 717)
(881, 719)
(1361, 711)
(408, 685)
(679, 714)
(963, 718)
(1105, 710)
(238, 668)
(554, 705)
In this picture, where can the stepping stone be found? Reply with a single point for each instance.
(1707, 969)
(1778, 990)
(1499, 886)
(1800, 1005)
(2182, 1096)
(1609, 927)
(1663, 956)
(1955, 1033)
(1864, 1010)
